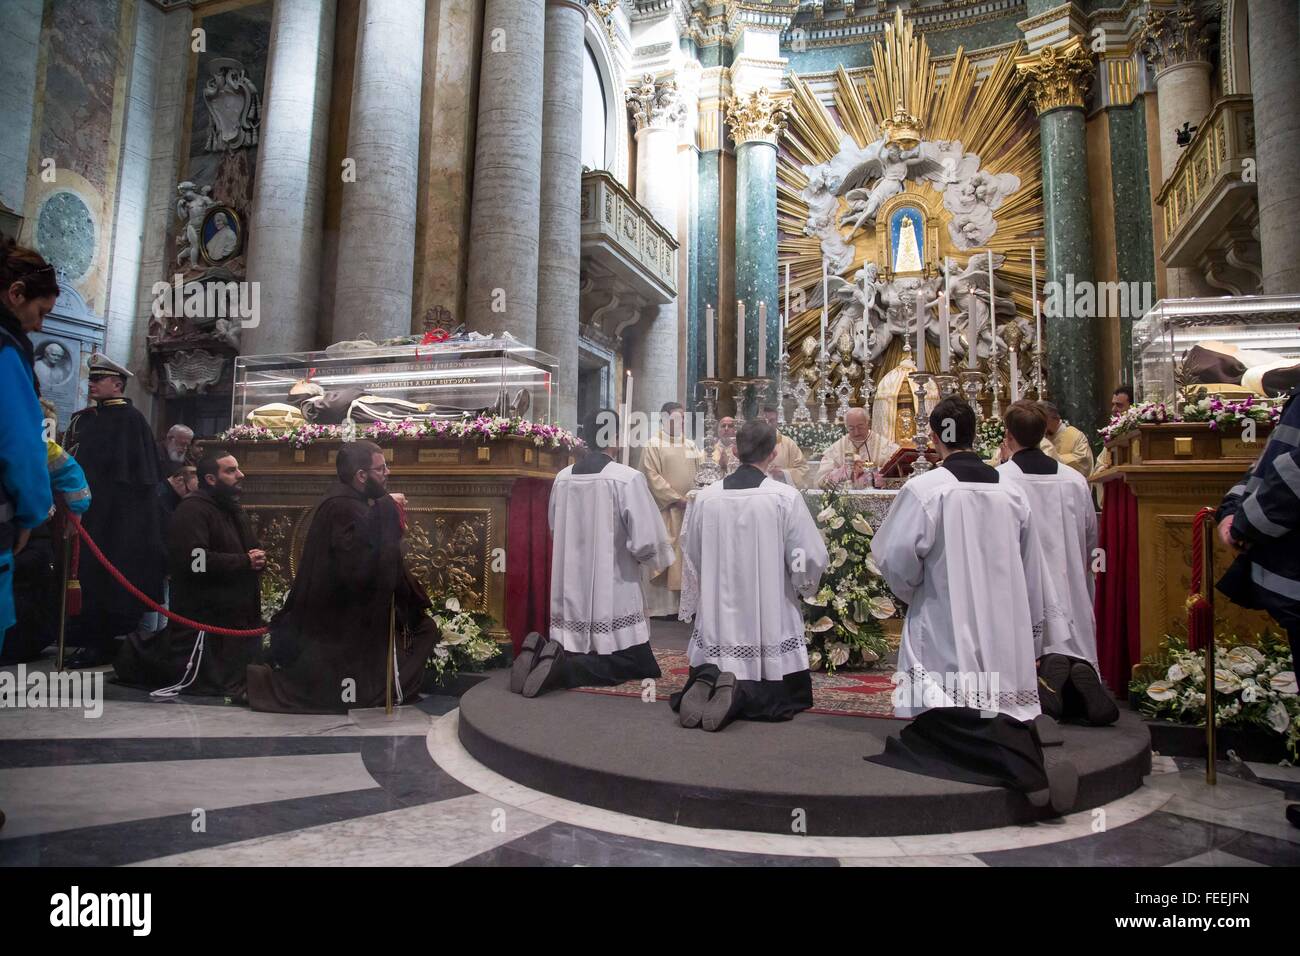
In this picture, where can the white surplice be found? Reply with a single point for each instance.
(963, 556)
(757, 550)
(1066, 525)
(604, 527)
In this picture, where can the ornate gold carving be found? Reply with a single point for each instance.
(902, 129)
(756, 118)
(1057, 76)
(438, 456)
(1170, 37)
(276, 531)
(604, 11)
(447, 549)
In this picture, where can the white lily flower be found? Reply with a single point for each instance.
(882, 607)
(1250, 692)
(839, 654)
(1176, 673)
(822, 625)
(837, 522)
(826, 514)
(861, 525)
(453, 604)
(872, 568)
(838, 557)
(1284, 683)
(815, 660)
(1159, 690)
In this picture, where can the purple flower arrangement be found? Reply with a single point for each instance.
(467, 430)
(1212, 410)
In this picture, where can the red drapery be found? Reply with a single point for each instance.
(528, 560)
(1116, 604)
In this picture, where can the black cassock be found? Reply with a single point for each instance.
(222, 591)
(329, 642)
(115, 448)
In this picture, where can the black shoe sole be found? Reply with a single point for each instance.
(524, 662)
(1046, 731)
(1062, 788)
(690, 712)
(1098, 707)
(539, 678)
(717, 714)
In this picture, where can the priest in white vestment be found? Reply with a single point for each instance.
(1066, 525)
(669, 462)
(605, 529)
(789, 465)
(757, 550)
(958, 548)
(845, 460)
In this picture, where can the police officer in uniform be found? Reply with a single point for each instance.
(115, 447)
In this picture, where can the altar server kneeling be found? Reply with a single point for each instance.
(1066, 524)
(959, 549)
(605, 527)
(757, 550)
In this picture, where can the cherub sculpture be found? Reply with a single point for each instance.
(890, 166)
(192, 204)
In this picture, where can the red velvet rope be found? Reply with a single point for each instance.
(1200, 620)
(1198, 546)
(150, 602)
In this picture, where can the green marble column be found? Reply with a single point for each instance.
(1056, 77)
(1134, 238)
(756, 279)
(1073, 340)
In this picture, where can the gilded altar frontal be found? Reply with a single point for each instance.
(571, 432)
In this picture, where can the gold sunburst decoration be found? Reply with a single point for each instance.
(902, 98)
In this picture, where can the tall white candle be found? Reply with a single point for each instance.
(740, 339)
(1015, 374)
(920, 340)
(627, 414)
(708, 342)
(945, 347)
(972, 330)
(762, 340)
(1038, 316)
(993, 319)
(780, 336)
(787, 288)
(826, 302)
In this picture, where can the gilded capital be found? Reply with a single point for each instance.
(656, 104)
(757, 117)
(1057, 75)
(1173, 36)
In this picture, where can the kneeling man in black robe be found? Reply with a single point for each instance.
(214, 561)
(330, 641)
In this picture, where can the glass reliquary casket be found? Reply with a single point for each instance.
(451, 380)
(1232, 346)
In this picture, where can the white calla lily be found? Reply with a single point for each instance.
(882, 607)
(861, 525)
(821, 625)
(1284, 682)
(1160, 690)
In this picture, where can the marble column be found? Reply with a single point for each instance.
(20, 41)
(501, 293)
(1173, 40)
(1057, 77)
(1275, 85)
(284, 236)
(756, 120)
(658, 111)
(376, 259)
(560, 222)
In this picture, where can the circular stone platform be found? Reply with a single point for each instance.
(623, 754)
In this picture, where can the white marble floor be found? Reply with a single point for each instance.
(183, 783)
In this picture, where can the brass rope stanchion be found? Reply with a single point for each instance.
(1207, 586)
(392, 654)
(63, 598)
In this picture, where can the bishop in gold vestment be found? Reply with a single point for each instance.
(668, 462)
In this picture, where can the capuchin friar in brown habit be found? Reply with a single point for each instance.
(329, 643)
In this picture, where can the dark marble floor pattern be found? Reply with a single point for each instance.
(405, 776)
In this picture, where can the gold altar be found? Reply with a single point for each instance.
(1174, 470)
(458, 502)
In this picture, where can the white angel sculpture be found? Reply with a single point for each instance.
(970, 292)
(890, 166)
(192, 204)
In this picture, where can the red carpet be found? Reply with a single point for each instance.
(844, 693)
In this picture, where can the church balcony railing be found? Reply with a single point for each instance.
(626, 240)
(1213, 184)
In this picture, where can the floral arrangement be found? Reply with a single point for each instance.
(466, 644)
(1254, 686)
(842, 620)
(468, 429)
(813, 437)
(1198, 408)
(274, 593)
(988, 437)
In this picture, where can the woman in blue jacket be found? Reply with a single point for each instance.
(28, 290)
